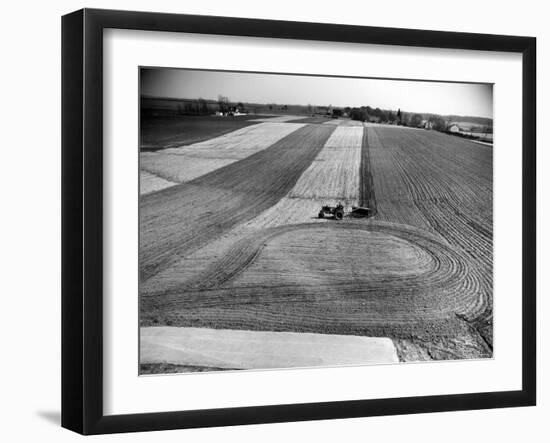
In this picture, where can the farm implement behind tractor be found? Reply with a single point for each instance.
(337, 212)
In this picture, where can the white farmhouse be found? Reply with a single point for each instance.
(454, 128)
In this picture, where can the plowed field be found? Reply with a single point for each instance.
(334, 174)
(150, 183)
(177, 220)
(280, 118)
(407, 283)
(171, 131)
(186, 163)
(255, 256)
(443, 185)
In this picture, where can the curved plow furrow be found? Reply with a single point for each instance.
(382, 277)
(444, 185)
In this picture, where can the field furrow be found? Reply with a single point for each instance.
(367, 193)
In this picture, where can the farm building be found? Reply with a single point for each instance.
(454, 128)
(323, 110)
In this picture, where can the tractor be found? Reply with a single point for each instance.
(336, 211)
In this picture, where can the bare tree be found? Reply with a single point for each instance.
(223, 103)
(203, 106)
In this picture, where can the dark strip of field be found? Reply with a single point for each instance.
(178, 220)
(168, 368)
(367, 196)
(173, 131)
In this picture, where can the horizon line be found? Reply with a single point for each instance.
(310, 104)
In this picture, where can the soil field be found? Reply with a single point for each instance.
(178, 165)
(407, 285)
(344, 122)
(367, 193)
(418, 272)
(165, 132)
(317, 119)
(291, 209)
(177, 220)
(334, 174)
(277, 118)
(441, 184)
(151, 182)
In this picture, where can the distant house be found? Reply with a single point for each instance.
(454, 128)
(232, 111)
(323, 110)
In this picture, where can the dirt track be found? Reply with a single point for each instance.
(177, 220)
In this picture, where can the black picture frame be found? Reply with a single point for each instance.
(82, 220)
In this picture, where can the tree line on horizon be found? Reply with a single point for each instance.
(223, 104)
(415, 120)
(377, 115)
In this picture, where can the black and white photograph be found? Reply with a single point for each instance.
(299, 221)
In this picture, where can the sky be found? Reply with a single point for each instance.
(411, 96)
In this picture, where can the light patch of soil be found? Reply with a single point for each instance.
(334, 174)
(150, 183)
(183, 164)
(230, 348)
